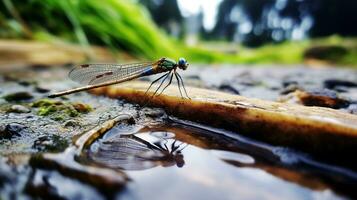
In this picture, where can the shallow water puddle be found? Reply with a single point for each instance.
(177, 161)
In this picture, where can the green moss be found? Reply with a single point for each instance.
(58, 118)
(46, 103)
(47, 110)
(71, 112)
(59, 110)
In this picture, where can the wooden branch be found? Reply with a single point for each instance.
(327, 133)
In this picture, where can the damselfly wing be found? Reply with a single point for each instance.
(93, 74)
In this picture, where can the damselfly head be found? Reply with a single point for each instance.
(182, 63)
(180, 162)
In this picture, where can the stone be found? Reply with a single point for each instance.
(11, 130)
(18, 96)
(19, 109)
(228, 88)
(333, 83)
(41, 90)
(316, 97)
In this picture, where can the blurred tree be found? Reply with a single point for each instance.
(166, 14)
(255, 22)
(232, 13)
(333, 17)
(225, 27)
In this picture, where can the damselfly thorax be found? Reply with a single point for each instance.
(100, 75)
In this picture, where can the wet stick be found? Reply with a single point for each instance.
(327, 133)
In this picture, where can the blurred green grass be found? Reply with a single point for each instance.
(289, 52)
(125, 26)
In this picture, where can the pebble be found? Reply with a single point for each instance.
(41, 90)
(71, 123)
(27, 83)
(316, 97)
(18, 96)
(42, 142)
(228, 88)
(19, 109)
(352, 109)
(157, 112)
(11, 130)
(333, 83)
(290, 88)
(286, 83)
(193, 77)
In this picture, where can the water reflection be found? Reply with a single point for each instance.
(139, 151)
(197, 163)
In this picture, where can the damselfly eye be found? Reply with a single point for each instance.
(182, 64)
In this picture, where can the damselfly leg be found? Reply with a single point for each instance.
(172, 75)
(152, 83)
(183, 85)
(165, 76)
(178, 84)
(162, 82)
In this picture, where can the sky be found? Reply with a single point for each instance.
(208, 7)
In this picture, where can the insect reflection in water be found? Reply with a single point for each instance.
(130, 152)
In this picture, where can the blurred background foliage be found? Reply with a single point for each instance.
(244, 31)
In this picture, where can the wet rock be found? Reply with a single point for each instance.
(340, 89)
(193, 77)
(333, 83)
(154, 113)
(82, 108)
(228, 88)
(317, 97)
(290, 88)
(2, 132)
(53, 143)
(71, 123)
(18, 96)
(11, 130)
(19, 109)
(59, 110)
(248, 82)
(41, 90)
(286, 83)
(352, 108)
(272, 84)
(131, 121)
(27, 83)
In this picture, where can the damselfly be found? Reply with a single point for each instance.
(99, 75)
